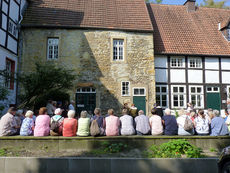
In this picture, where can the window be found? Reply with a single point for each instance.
(178, 96)
(118, 50)
(125, 88)
(213, 89)
(13, 29)
(10, 69)
(52, 52)
(195, 63)
(162, 95)
(177, 62)
(86, 90)
(196, 96)
(228, 34)
(138, 91)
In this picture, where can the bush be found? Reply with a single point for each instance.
(174, 149)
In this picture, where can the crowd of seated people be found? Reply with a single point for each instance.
(188, 122)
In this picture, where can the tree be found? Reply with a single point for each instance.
(46, 78)
(154, 1)
(213, 4)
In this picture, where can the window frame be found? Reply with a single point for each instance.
(9, 83)
(196, 94)
(139, 94)
(196, 62)
(53, 58)
(128, 94)
(117, 47)
(177, 62)
(162, 93)
(184, 95)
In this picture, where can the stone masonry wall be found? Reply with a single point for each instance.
(89, 54)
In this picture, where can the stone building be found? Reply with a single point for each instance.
(109, 44)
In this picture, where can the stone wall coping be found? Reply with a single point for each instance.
(109, 137)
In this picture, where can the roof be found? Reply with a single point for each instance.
(177, 31)
(111, 14)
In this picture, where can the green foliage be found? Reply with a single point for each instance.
(154, 1)
(214, 4)
(174, 149)
(176, 113)
(114, 147)
(47, 77)
(212, 149)
(3, 152)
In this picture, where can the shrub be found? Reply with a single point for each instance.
(174, 149)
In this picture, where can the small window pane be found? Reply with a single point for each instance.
(158, 89)
(142, 91)
(136, 91)
(181, 89)
(215, 88)
(175, 89)
(193, 89)
(163, 89)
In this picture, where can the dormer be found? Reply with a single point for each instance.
(224, 27)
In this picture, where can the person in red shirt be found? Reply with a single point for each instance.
(70, 125)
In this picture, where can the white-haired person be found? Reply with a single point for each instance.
(169, 123)
(155, 122)
(181, 123)
(83, 124)
(56, 123)
(127, 123)
(142, 123)
(27, 128)
(218, 126)
(70, 124)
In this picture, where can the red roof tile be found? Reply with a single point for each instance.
(177, 31)
(116, 14)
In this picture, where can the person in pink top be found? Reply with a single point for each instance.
(112, 124)
(70, 125)
(42, 123)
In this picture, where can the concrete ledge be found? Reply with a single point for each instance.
(61, 144)
(104, 165)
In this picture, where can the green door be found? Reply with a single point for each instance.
(213, 100)
(140, 102)
(85, 101)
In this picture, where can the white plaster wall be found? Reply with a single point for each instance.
(161, 61)
(212, 76)
(195, 76)
(4, 21)
(12, 44)
(161, 75)
(4, 7)
(226, 77)
(3, 37)
(225, 63)
(212, 63)
(3, 55)
(14, 11)
(177, 76)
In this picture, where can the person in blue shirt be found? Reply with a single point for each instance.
(218, 126)
(169, 122)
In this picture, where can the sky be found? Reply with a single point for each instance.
(181, 2)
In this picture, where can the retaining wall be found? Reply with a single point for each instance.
(102, 165)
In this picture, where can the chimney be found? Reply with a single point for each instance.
(190, 4)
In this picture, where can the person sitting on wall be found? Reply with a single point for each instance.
(50, 108)
(8, 126)
(112, 124)
(27, 127)
(142, 123)
(181, 120)
(169, 123)
(127, 124)
(202, 123)
(70, 124)
(18, 119)
(155, 122)
(83, 124)
(71, 107)
(190, 107)
(133, 111)
(218, 126)
(126, 106)
(56, 122)
(159, 110)
(100, 120)
(42, 123)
